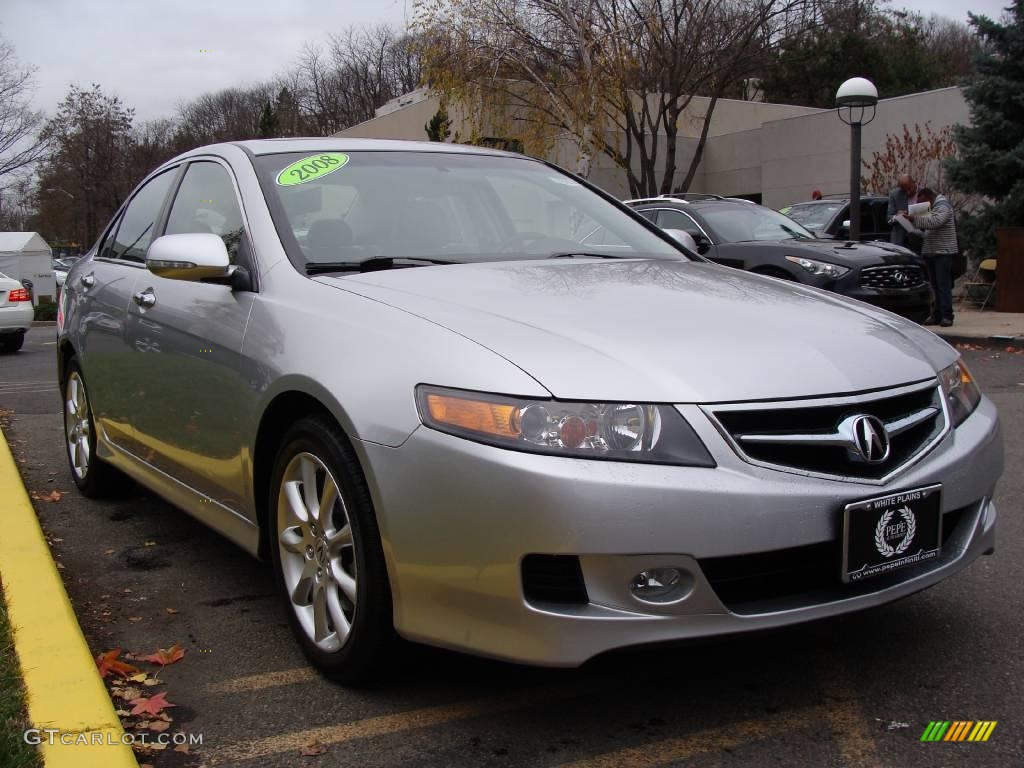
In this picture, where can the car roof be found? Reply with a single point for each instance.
(343, 144)
(843, 199)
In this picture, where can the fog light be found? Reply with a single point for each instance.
(659, 585)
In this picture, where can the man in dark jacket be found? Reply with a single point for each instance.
(940, 247)
(901, 198)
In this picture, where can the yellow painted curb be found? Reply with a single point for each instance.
(64, 688)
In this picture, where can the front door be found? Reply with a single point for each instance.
(102, 291)
(188, 338)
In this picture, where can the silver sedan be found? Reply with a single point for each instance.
(462, 397)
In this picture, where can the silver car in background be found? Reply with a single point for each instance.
(463, 397)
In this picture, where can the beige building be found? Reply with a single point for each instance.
(775, 153)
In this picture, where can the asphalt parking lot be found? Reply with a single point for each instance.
(854, 691)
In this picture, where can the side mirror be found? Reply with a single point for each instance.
(193, 257)
(703, 244)
(684, 238)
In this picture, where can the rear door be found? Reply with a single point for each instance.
(99, 297)
(189, 343)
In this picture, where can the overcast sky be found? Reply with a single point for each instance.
(152, 53)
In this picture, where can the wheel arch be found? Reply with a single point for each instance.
(284, 409)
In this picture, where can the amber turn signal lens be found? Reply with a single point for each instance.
(474, 415)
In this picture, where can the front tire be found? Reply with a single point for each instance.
(327, 554)
(93, 476)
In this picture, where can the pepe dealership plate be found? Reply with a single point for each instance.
(891, 532)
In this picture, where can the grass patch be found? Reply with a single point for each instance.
(14, 752)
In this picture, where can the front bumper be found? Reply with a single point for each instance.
(457, 518)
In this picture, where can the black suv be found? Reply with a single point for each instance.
(829, 218)
(741, 234)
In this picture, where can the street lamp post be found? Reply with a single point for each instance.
(853, 100)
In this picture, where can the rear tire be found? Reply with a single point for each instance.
(11, 343)
(94, 477)
(327, 554)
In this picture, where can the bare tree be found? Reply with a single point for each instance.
(614, 76)
(20, 144)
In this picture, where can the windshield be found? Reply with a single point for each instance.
(438, 207)
(744, 222)
(814, 215)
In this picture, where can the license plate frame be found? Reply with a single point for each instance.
(888, 533)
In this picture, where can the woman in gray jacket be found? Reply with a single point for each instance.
(939, 248)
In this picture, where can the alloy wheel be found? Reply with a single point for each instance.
(77, 425)
(317, 549)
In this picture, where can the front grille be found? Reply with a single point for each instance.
(894, 276)
(787, 578)
(816, 439)
(554, 579)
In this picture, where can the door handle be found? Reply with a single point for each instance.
(145, 298)
(87, 281)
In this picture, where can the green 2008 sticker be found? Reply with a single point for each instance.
(312, 167)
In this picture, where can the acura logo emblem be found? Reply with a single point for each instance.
(870, 440)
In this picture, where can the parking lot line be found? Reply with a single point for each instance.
(849, 725)
(266, 680)
(720, 737)
(384, 725)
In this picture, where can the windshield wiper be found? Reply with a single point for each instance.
(796, 235)
(375, 264)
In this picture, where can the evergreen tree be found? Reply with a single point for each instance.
(991, 149)
(439, 127)
(269, 127)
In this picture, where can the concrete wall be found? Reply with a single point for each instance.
(405, 123)
(812, 152)
(732, 115)
(781, 151)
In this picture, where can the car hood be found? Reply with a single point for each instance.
(851, 254)
(662, 331)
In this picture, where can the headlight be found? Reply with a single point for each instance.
(819, 267)
(961, 392)
(655, 434)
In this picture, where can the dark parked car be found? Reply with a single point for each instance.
(829, 218)
(741, 234)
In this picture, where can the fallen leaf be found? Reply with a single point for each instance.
(52, 496)
(152, 681)
(152, 705)
(149, 544)
(164, 657)
(139, 678)
(171, 611)
(122, 712)
(108, 551)
(159, 725)
(128, 693)
(134, 618)
(108, 662)
(312, 750)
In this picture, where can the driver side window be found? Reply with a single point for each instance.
(206, 202)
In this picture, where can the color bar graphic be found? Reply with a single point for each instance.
(958, 730)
